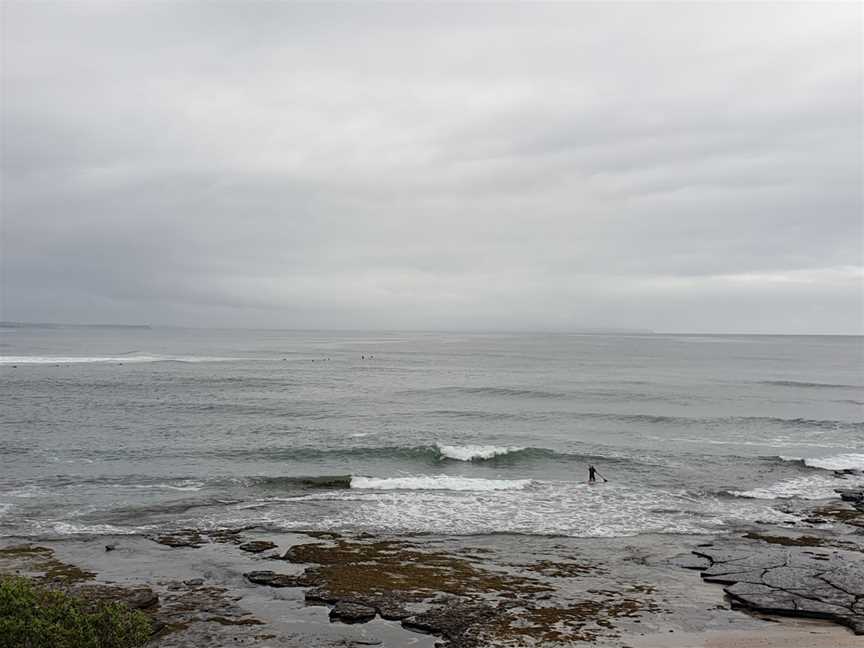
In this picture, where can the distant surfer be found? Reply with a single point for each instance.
(592, 475)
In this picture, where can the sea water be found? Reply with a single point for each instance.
(131, 430)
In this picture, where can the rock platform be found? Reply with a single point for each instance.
(789, 580)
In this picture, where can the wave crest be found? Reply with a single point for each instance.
(475, 452)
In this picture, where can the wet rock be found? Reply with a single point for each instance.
(194, 582)
(790, 580)
(451, 622)
(187, 538)
(690, 561)
(257, 546)
(391, 610)
(320, 596)
(788, 540)
(195, 538)
(141, 599)
(227, 536)
(272, 579)
(854, 495)
(391, 607)
(322, 535)
(843, 512)
(348, 612)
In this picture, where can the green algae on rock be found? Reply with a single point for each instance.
(459, 597)
(40, 563)
(584, 620)
(361, 569)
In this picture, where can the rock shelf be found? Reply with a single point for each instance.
(790, 580)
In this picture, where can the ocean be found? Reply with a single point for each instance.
(137, 430)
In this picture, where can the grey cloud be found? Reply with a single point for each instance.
(532, 166)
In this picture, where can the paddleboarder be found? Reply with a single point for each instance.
(592, 475)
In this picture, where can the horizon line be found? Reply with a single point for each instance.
(587, 330)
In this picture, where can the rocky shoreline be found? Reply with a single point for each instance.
(247, 587)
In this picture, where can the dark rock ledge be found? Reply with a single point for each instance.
(854, 495)
(257, 546)
(352, 612)
(272, 579)
(788, 580)
(195, 538)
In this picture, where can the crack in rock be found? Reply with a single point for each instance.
(790, 581)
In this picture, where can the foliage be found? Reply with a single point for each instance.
(32, 616)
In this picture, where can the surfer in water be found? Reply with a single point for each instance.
(592, 475)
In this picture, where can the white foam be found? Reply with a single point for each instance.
(56, 459)
(66, 528)
(123, 359)
(547, 508)
(474, 452)
(438, 482)
(187, 485)
(812, 487)
(26, 491)
(838, 462)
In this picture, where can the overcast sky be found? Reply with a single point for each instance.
(544, 167)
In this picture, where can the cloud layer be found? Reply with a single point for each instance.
(545, 167)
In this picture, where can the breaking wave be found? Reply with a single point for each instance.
(847, 461)
(475, 452)
(812, 487)
(68, 528)
(438, 482)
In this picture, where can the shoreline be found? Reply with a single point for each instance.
(251, 587)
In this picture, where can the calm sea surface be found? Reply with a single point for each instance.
(133, 430)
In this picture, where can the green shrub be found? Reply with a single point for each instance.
(38, 617)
